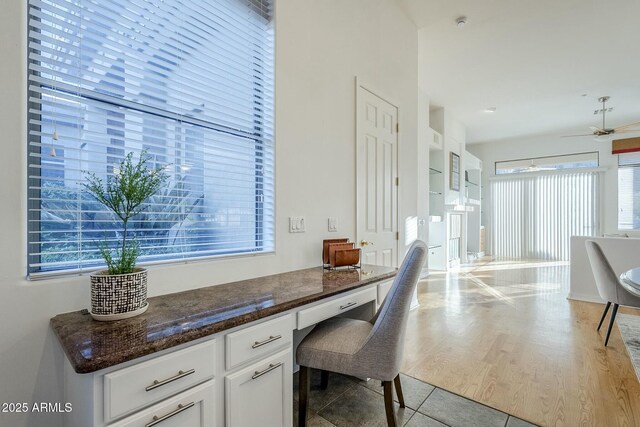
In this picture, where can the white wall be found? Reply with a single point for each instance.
(321, 47)
(551, 145)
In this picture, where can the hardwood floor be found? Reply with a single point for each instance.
(504, 334)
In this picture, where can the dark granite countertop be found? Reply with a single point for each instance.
(181, 317)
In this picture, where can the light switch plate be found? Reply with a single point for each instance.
(296, 224)
(333, 224)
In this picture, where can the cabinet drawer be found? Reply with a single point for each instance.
(257, 341)
(261, 394)
(141, 385)
(316, 314)
(193, 408)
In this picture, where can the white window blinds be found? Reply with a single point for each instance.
(629, 191)
(534, 216)
(189, 82)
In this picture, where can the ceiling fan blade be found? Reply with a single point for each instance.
(627, 131)
(627, 126)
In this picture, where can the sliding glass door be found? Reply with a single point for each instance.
(535, 215)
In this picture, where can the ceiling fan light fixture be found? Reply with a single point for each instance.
(603, 138)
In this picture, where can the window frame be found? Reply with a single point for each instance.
(597, 153)
(618, 167)
(259, 137)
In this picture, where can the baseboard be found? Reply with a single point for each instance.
(585, 297)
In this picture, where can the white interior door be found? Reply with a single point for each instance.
(377, 172)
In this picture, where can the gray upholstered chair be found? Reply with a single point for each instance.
(364, 349)
(609, 286)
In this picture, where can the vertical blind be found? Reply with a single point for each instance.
(629, 191)
(534, 216)
(189, 83)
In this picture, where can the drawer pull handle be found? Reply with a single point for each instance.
(267, 341)
(271, 367)
(181, 408)
(351, 304)
(181, 374)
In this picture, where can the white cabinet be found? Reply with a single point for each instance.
(257, 341)
(242, 377)
(261, 394)
(129, 389)
(193, 408)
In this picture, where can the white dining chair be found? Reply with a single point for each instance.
(609, 286)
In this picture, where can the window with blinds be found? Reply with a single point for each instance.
(534, 216)
(629, 191)
(190, 83)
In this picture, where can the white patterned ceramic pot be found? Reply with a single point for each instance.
(118, 296)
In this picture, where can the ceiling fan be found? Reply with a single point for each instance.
(604, 133)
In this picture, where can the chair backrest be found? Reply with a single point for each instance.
(384, 346)
(606, 279)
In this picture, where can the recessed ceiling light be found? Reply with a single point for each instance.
(461, 22)
(490, 110)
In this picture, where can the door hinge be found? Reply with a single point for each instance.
(397, 235)
(397, 181)
(397, 127)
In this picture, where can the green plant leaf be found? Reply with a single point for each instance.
(125, 193)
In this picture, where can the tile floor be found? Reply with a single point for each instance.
(351, 402)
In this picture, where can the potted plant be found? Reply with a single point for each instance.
(120, 291)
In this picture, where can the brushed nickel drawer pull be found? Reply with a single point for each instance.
(351, 304)
(181, 408)
(181, 374)
(267, 341)
(266, 371)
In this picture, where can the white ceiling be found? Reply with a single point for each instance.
(532, 60)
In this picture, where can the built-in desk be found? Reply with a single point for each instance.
(215, 356)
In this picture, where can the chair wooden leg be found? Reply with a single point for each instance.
(388, 404)
(324, 379)
(604, 314)
(303, 396)
(613, 317)
(398, 385)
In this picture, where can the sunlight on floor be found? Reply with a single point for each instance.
(504, 333)
(488, 284)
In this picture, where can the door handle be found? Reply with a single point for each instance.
(258, 374)
(351, 304)
(181, 374)
(181, 408)
(365, 243)
(267, 341)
